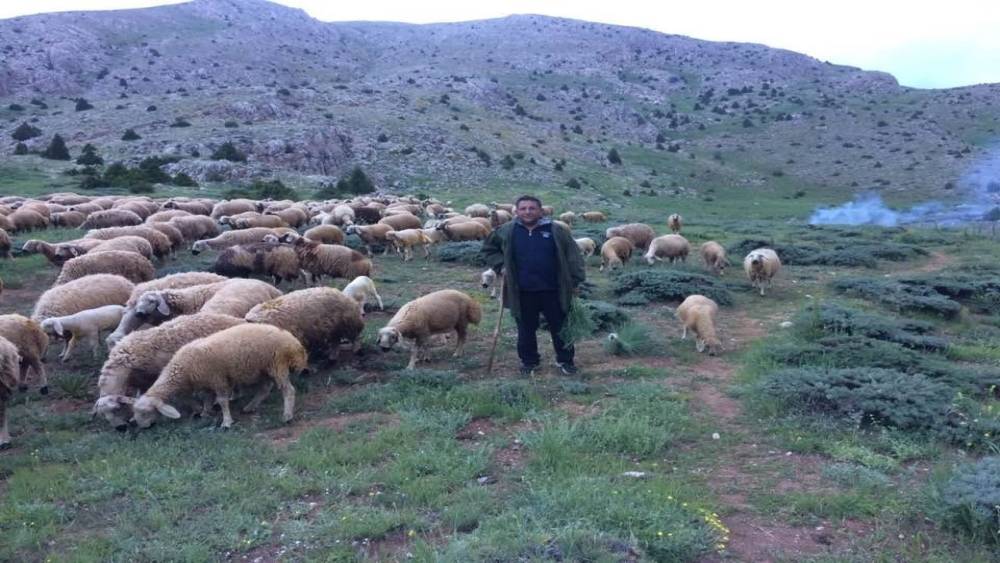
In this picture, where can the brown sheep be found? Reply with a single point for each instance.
(263, 258)
(326, 234)
(69, 219)
(320, 317)
(469, 230)
(292, 216)
(328, 259)
(232, 207)
(129, 243)
(436, 313)
(594, 216)
(675, 223)
(31, 343)
(714, 255)
(402, 221)
(159, 241)
(171, 232)
(164, 216)
(129, 265)
(697, 313)
(27, 220)
(117, 217)
(640, 234)
(371, 235)
(615, 252)
(195, 227)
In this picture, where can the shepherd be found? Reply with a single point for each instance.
(543, 270)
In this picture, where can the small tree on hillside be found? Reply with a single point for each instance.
(88, 156)
(83, 105)
(20, 149)
(228, 151)
(57, 149)
(613, 157)
(25, 132)
(359, 182)
(130, 135)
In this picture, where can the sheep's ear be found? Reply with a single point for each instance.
(700, 345)
(167, 410)
(124, 400)
(162, 307)
(57, 326)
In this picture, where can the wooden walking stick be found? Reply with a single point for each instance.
(496, 331)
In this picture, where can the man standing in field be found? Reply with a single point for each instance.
(543, 269)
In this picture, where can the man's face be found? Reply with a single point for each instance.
(528, 212)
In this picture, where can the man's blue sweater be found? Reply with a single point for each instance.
(535, 255)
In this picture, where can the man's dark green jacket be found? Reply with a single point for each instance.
(498, 251)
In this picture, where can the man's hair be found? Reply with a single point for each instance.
(518, 201)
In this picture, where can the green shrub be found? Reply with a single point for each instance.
(57, 149)
(970, 500)
(463, 252)
(25, 131)
(605, 316)
(630, 339)
(130, 135)
(228, 151)
(670, 285)
(832, 319)
(899, 296)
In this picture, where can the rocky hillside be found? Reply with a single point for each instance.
(523, 100)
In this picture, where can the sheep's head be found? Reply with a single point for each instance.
(756, 259)
(711, 344)
(53, 327)
(613, 232)
(388, 337)
(198, 246)
(290, 238)
(146, 409)
(487, 278)
(271, 238)
(720, 265)
(241, 224)
(116, 409)
(170, 205)
(151, 304)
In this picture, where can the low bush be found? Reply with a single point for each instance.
(630, 339)
(970, 500)
(828, 319)
(463, 252)
(828, 251)
(899, 296)
(669, 285)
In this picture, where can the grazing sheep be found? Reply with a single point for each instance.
(761, 266)
(569, 217)
(434, 235)
(434, 210)
(470, 230)
(68, 198)
(615, 252)
(697, 313)
(131, 266)
(320, 317)
(5, 244)
(37, 206)
(675, 222)
(268, 221)
(116, 217)
(244, 355)
(172, 233)
(640, 234)
(6, 224)
(27, 220)
(159, 241)
(587, 246)
(86, 208)
(367, 214)
(362, 290)
(233, 238)
(237, 297)
(326, 234)
(406, 239)
(157, 306)
(499, 217)
(401, 221)
(142, 208)
(85, 325)
(594, 216)
(371, 235)
(69, 219)
(128, 243)
(262, 258)
(342, 215)
(488, 280)
(232, 207)
(136, 361)
(436, 313)
(88, 292)
(477, 210)
(164, 216)
(192, 207)
(674, 248)
(195, 227)
(9, 380)
(31, 343)
(58, 254)
(292, 216)
(328, 259)
(714, 255)
(130, 321)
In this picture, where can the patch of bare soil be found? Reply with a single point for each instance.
(286, 435)
(937, 262)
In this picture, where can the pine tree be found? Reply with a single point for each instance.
(228, 151)
(130, 135)
(89, 156)
(613, 157)
(83, 105)
(20, 149)
(359, 183)
(25, 132)
(57, 149)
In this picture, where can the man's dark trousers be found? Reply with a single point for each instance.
(546, 303)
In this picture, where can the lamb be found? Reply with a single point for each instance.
(406, 239)
(244, 355)
(130, 321)
(129, 265)
(674, 248)
(116, 217)
(761, 266)
(401, 221)
(697, 313)
(587, 246)
(362, 290)
(9, 380)
(594, 216)
(31, 343)
(477, 210)
(326, 234)
(5, 244)
(129, 243)
(266, 258)
(159, 241)
(615, 252)
(640, 234)
(436, 313)
(70, 219)
(233, 238)
(328, 259)
(133, 365)
(195, 227)
(27, 220)
(371, 235)
(232, 207)
(674, 222)
(470, 230)
(88, 292)
(320, 317)
(85, 325)
(714, 256)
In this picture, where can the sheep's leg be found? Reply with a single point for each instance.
(460, 331)
(95, 343)
(206, 405)
(262, 392)
(415, 351)
(70, 344)
(287, 394)
(684, 333)
(227, 417)
(378, 298)
(4, 433)
(427, 251)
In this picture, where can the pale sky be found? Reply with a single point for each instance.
(923, 44)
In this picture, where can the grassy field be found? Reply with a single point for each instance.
(790, 445)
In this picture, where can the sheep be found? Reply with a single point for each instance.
(116, 217)
(326, 234)
(142, 208)
(401, 221)
(371, 235)
(32, 343)
(615, 252)
(587, 246)
(232, 238)
(362, 290)
(714, 256)
(508, 207)
(367, 214)
(594, 216)
(58, 254)
(67, 198)
(232, 297)
(477, 210)
(434, 210)
(135, 362)
(156, 306)
(37, 206)
(292, 216)
(267, 258)
(5, 244)
(697, 313)
(85, 208)
(130, 321)
(128, 243)
(434, 235)
(499, 217)
(488, 280)
(232, 207)
(320, 317)
(9, 380)
(761, 265)
(328, 259)
(69, 219)
(268, 221)
(244, 355)
(192, 207)
(640, 234)
(172, 233)
(470, 230)
(159, 241)
(671, 247)
(342, 215)
(569, 217)
(85, 325)
(88, 292)
(675, 222)
(6, 224)
(436, 313)
(164, 216)
(407, 239)
(27, 220)
(195, 227)
(134, 267)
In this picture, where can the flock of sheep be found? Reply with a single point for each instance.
(201, 336)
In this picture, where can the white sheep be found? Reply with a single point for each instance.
(244, 355)
(233, 238)
(31, 342)
(615, 252)
(714, 256)
(488, 279)
(697, 313)
(320, 317)
(362, 290)
(130, 321)
(674, 248)
(761, 265)
(328, 259)
(84, 326)
(587, 246)
(9, 381)
(437, 313)
(477, 210)
(640, 234)
(675, 222)
(129, 265)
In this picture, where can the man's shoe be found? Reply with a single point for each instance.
(528, 371)
(567, 368)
